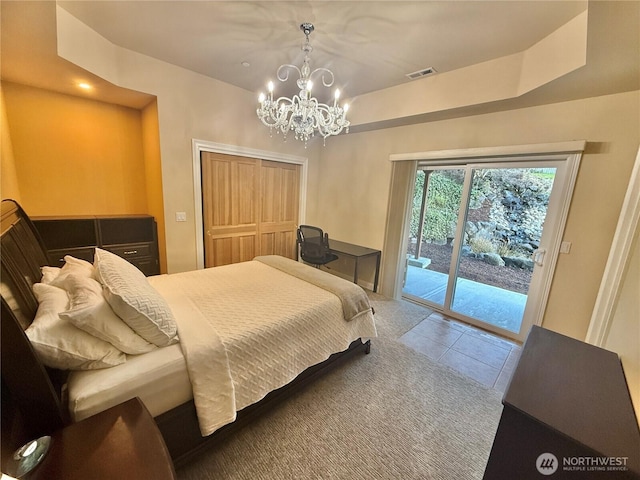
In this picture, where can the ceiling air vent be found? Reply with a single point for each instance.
(421, 73)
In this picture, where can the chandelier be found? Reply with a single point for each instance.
(302, 113)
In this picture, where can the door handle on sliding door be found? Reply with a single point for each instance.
(538, 256)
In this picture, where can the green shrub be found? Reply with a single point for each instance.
(417, 199)
(518, 200)
(443, 199)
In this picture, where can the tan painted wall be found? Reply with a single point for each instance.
(354, 176)
(78, 157)
(624, 332)
(190, 106)
(9, 188)
(153, 175)
(75, 156)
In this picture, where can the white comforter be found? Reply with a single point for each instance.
(248, 328)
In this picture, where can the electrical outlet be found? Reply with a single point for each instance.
(181, 216)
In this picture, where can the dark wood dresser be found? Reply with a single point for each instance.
(567, 415)
(133, 237)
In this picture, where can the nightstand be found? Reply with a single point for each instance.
(121, 442)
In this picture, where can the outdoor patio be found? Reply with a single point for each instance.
(490, 304)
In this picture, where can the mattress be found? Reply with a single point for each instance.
(245, 329)
(159, 378)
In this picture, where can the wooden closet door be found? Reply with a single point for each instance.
(230, 191)
(280, 192)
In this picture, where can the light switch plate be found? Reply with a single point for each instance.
(181, 216)
(565, 247)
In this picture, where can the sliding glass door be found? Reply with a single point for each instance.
(434, 223)
(478, 239)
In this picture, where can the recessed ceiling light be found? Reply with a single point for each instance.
(84, 86)
(245, 64)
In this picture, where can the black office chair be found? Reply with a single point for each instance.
(314, 246)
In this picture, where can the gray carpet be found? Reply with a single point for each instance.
(392, 414)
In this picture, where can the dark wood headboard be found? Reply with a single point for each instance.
(31, 394)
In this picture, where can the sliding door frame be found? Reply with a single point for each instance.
(199, 146)
(396, 236)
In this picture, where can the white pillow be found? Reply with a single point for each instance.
(89, 311)
(73, 266)
(61, 345)
(49, 274)
(134, 300)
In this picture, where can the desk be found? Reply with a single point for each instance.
(356, 252)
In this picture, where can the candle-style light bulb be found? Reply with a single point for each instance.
(336, 97)
(261, 97)
(270, 87)
(309, 85)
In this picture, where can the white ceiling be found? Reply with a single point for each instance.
(370, 45)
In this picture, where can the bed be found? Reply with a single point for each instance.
(211, 349)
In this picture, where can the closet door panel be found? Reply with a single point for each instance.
(279, 208)
(250, 207)
(290, 194)
(230, 191)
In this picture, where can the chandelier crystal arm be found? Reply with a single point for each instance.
(283, 71)
(324, 71)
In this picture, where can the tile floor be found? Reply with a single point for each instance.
(487, 358)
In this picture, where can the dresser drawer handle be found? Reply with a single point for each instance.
(130, 252)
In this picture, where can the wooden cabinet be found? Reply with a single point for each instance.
(132, 237)
(567, 415)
